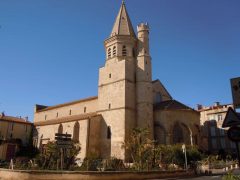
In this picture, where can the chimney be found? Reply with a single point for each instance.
(2, 114)
(199, 106)
(216, 104)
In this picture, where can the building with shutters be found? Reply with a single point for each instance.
(214, 137)
(15, 132)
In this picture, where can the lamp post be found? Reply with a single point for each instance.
(185, 154)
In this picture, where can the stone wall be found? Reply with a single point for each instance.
(14, 174)
(65, 110)
(89, 133)
(116, 103)
(166, 119)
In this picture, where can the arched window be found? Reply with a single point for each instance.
(109, 52)
(60, 129)
(158, 98)
(159, 134)
(114, 51)
(177, 134)
(182, 134)
(109, 133)
(76, 132)
(124, 51)
(187, 134)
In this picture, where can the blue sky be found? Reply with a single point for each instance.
(50, 50)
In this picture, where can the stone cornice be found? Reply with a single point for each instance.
(119, 108)
(67, 104)
(119, 37)
(67, 119)
(105, 84)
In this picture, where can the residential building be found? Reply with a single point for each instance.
(214, 137)
(14, 133)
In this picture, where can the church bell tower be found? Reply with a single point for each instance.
(117, 87)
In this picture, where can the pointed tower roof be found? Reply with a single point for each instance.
(123, 25)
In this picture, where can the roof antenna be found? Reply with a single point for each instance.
(123, 2)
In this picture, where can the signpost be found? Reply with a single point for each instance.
(185, 154)
(235, 84)
(63, 143)
(234, 135)
(232, 118)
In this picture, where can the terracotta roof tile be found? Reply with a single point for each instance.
(215, 107)
(14, 119)
(172, 105)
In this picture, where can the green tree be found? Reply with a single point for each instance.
(140, 148)
(50, 157)
(173, 154)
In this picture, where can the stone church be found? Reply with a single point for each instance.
(127, 98)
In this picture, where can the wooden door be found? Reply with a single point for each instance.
(10, 151)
